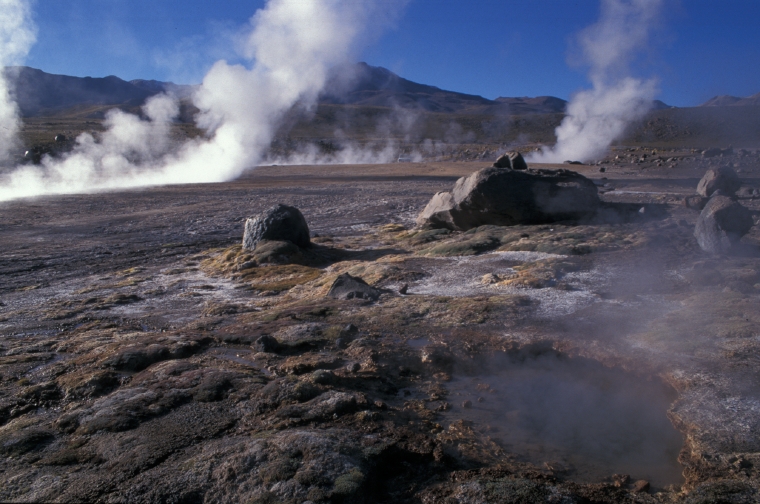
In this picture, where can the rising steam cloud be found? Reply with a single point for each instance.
(17, 35)
(598, 116)
(290, 46)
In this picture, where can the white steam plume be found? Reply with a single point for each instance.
(291, 45)
(17, 35)
(598, 116)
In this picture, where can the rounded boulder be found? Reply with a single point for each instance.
(278, 223)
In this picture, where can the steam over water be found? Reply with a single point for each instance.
(290, 46)
(598, 116)
(584, 420)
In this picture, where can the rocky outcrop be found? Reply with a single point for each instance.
(278, 223)
(723, 179)
(505, 197)
(721, 224)
(511, 159)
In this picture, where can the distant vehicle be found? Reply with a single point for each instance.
(404, 159)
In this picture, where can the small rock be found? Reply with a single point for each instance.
(353, 367)
(349, 330)
(403, 289)
(350, 287)
(695, 202)
(724, 179)
(266, 344)
(511, 159)
(467, 404)
(640, 486)
(620, 480)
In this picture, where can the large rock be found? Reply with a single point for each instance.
(721, 224)
(278, 223)
(724, 179)
(351, 287)
(505, 197)
(511, 159)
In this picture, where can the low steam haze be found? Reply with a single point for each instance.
(598, 116)
(290, 46)
(283, 59)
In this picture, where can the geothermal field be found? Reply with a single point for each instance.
(306, 280)
(148, 357)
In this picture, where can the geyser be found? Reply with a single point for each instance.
(17, 34)
(598, 116)
(290, 46)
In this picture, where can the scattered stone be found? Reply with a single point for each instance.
(351, 287)
(437, 356)
(403, 289)
(353, 367)
(60, 138)
(505, 197)
(266, 344)
(747, 192)
(349, 330)
(721, 225)
(695, 202)
(572, 162)
(640, 486)
(278, 223)
(467, 404)
(724, 179)
(620, 480)
(511, 159)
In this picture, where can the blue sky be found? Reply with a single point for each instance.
(699, 49)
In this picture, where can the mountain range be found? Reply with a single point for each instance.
(732, 101)
(42, 94)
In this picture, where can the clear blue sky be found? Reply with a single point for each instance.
(487, 47)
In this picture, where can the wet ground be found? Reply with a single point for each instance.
(601, 361)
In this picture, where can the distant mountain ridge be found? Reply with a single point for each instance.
(39, 93)
(732, 101)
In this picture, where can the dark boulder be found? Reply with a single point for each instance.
(351, 287)
(278, 223)
(511, 159)
(721, 225)
(724, 179)
(506, 197)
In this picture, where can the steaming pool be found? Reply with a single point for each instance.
(583, 420)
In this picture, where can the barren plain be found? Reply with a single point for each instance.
(145, 357)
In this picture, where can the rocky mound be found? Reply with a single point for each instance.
(505, 197)
(279, 223)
